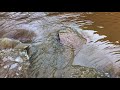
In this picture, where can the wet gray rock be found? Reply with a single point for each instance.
(52, 59)
(22, 35)
(14, 61)
(73, 39)
(49, 56)
(6, 43)
(51, 49)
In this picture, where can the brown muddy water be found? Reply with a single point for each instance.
(97, 45)
(106, 23)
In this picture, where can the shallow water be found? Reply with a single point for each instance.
(106, 23)
(95, 27)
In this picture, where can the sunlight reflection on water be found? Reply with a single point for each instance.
(97, 52)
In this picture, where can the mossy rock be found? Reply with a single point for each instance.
(6, 43)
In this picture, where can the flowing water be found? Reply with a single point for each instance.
(101, 31)
(106, 23)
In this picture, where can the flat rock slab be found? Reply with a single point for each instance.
(72, 39)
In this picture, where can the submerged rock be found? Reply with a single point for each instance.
(101, 55)
(55, 54)
(49, 56)
(72, 39)
(52, 59)
(6, 43)
(22, 35)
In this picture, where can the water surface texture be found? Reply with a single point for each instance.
(60, 44)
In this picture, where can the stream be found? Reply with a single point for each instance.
(61, 39)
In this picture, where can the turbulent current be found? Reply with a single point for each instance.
(57, 47)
